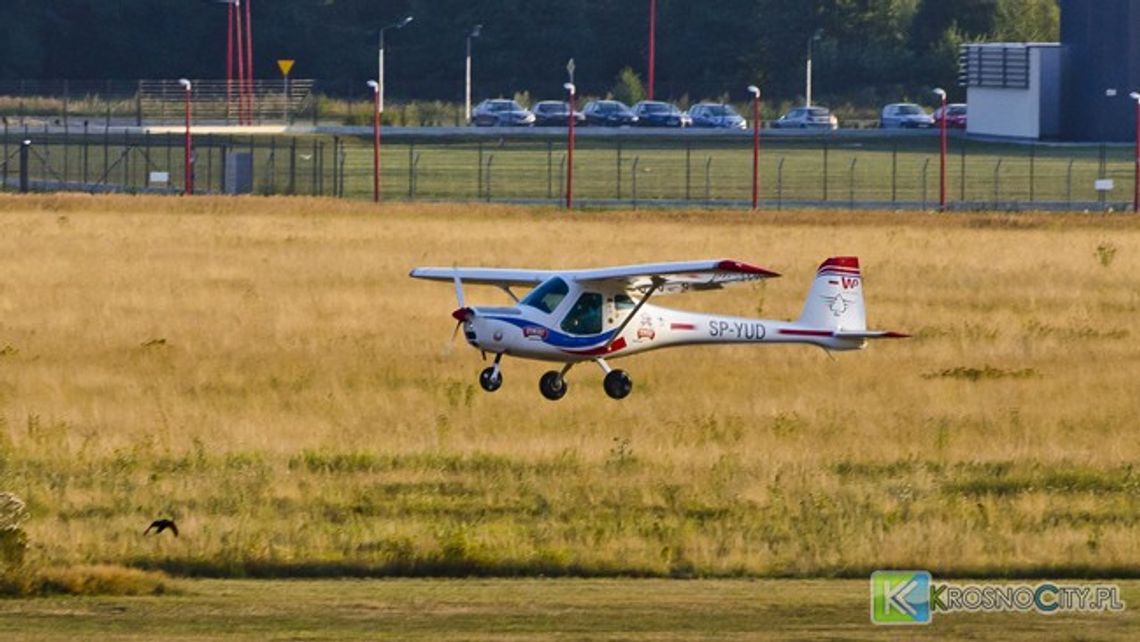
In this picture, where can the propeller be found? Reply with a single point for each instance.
(462, 313)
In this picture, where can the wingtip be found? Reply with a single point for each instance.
(730, 265)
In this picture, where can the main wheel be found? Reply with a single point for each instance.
(552, 385)
(618, 384)
(490, 380)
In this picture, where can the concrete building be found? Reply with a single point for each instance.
(1013, 89)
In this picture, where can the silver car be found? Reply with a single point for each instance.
(807, 118)
(906, 115)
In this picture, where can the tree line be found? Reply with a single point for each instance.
(868, 51)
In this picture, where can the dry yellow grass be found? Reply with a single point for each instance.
(264, 370)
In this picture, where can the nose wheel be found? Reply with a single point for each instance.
(490, 379)
(552, 385)
(617, 383)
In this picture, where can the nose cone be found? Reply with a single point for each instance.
(462, 314)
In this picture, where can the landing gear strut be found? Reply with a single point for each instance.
(490, 378)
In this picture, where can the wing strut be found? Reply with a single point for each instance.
(657, 283)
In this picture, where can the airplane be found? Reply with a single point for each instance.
(575, 316)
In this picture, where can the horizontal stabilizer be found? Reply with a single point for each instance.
(869, 334)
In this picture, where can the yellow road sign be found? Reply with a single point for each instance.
(285, 66)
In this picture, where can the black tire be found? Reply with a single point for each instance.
(618, 385)
(552, 385)
(490, 380)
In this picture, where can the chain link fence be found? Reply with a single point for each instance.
(627, 171)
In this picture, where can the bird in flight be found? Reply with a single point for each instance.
(160, 525)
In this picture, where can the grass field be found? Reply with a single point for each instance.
(263, 371)
(524, 610)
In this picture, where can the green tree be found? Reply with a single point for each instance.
(628, 87)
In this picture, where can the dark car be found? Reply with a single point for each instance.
(554, 113)
(716, 115)
(807, 118)
(609, 113)
(653, 113)
(501, 112)
(956, 116)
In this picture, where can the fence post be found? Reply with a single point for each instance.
(411, 169)
(138, 105)
(272, 165)
(925, 166)
(4, 179)
(825, 170)
(1032, 165)
(1069, 185)
(851, 184)
(126, 161)
(617, 172)
(107, 98)
(415, 177)
(780, 184)
(997, 182)
(316, 162)
(25, 147)
(146, 159)
(336, 166)
(708, 180)
(562, 177)
(894, 171)
(688, 168)
(490, 159)
(479, 174)
(633, 180)
(549, 170)
(293, 166)
(962, 161)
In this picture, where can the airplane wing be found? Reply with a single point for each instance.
(682, 276)
(483, 276)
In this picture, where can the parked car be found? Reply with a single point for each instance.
(908, 115)
(955, 116)
(501, 112)
(716, 115)
(554, 113)
(609, 113)
(807, 118)
(653, 113)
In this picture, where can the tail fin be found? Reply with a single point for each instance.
(835, 301)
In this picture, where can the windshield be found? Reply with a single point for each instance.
(551, 107)
(504, 105)
(655, 108)
(910, 110)
(719, 110)
(547, 296)
(818, 112)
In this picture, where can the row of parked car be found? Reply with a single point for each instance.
(503, 112)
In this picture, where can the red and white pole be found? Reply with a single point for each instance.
(570, 147)
(942, 154)
(755, 91)
(249, 62)
(652, 44)
(375, 140)
(187, 161)
(230, 8)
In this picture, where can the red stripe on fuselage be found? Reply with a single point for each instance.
(597, 352)
(682, 326)
(807, 333)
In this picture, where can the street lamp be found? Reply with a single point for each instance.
(814, 38)
(375, 86)
(755, 91)
(941, 93)
(652, 43)
(474, 33)
(400, 24)
(188, 178)
(569, 87)
(1136, 178)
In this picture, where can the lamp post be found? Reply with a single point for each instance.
(941, 93)
(755, 91)
(474, 33)
(652, 44)
(1136, 177)
(807, 92)
(188, 178)
(569, 87)
(375, 140)
(380, 59)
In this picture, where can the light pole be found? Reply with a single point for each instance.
(807, 92)
(1136, 178)
(474, 33)
(941, 93)
(188, 178)
(380, 59)
(652, 43)
(755, 91)
(375, 140)
(569, 87)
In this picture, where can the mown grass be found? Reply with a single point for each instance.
(264, 372)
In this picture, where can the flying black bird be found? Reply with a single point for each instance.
(160, 525)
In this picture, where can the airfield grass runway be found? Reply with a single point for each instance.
(534, 609)
(263, 371)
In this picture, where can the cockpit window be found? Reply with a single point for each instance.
(547, 296)
(586, 315)
(622, 302)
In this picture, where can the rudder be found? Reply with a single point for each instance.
(835, 301)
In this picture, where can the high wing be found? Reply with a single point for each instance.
(681, 276)
(483, 276)
(673, 277)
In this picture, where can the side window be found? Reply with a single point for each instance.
(623, 303)
(585, 317)
(547, 296)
